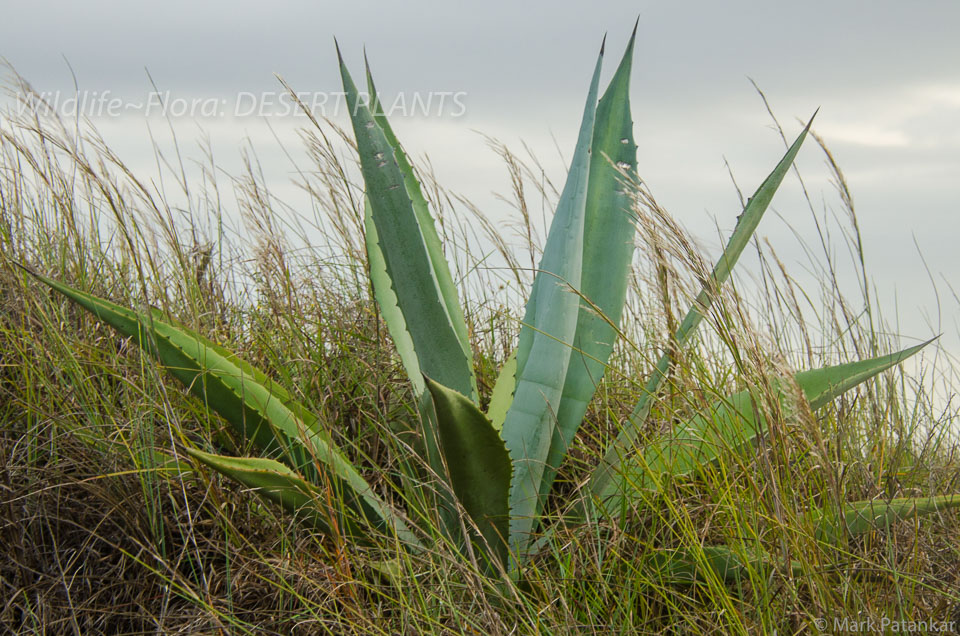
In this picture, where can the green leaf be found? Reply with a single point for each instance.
(608, 245)
(822, 386)
(685, 566)
(747, 223)
(392, 315)
(863, 516)
(275, 389)
(410, 262)
(387, 301)
(503, 390)
(688, 566)
(391, 570)
(258, 409)
(276, 482)
(546, 337)
(448, 291)
(479, 465)
(729, 425)
(397, 325)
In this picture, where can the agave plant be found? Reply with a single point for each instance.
(499, 465)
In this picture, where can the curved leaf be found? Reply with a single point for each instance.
(263, 413)
(479, 465)
(277, 483)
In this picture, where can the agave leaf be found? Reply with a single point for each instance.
(684, 566)
(479, 465)
(387, 301)
(397, 325)
(276, 482)
(392, 315)
(746, 225)
(262, 413)
(863, 516)
(546, 337)
(822, 386)
(502, 394)
(448, 291)
(608, 245)
(167, 462)
(391, 570)
(247, 370)
(410, 263)
(728, 425)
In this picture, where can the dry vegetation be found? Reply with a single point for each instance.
(99, 535)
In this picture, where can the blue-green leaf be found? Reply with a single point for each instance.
(729, 425)
(746, 225)
(502, 395)
(431, 241)
(608, 245)
(410, 260)
(546, 337)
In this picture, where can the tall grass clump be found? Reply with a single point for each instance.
(641, 447)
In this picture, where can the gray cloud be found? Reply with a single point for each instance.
(883, 72)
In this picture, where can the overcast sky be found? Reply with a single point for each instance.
(885, 75)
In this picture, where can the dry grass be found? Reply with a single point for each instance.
(98, 536)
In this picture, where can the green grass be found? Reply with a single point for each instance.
(102, 533)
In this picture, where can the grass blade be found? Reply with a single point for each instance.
(746, 225)
(479, 465)
(546, 337)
